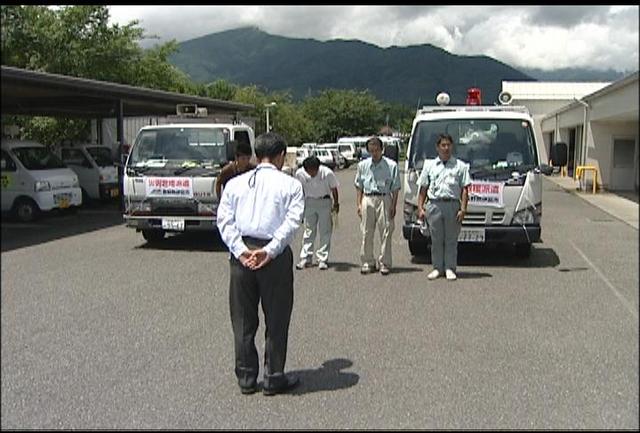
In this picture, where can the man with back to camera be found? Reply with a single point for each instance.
(445, 181)
(319, 184)
(377, 184)
(258, 216)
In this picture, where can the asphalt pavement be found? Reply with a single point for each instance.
(102, 331)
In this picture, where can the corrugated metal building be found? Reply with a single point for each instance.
(542, 98)
(610, 118)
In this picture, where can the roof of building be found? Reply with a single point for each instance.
(44, 94)
(600, 92)
(550, 90)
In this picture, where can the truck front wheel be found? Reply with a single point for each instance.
(26, 210)
(153, 236)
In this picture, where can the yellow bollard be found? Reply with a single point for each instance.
(582, 169)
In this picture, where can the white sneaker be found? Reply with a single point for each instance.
(450, 275)
(323, 265)
(433, 274)
(302, 264)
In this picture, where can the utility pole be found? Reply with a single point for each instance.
(269, 105)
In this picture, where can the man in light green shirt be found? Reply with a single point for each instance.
(444, 181)
(377, 184)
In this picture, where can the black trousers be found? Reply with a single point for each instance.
(272, 286)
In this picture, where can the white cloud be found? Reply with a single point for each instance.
(545, 37)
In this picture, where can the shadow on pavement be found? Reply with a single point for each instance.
(400, 270)
(326, 378)
(343, 266)
(57, 225)
(491, 255)
(472, 275)
(192, 241)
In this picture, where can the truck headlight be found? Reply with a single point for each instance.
(42, 185)
(528, 216)
(75, 183)
(207, 208)
(138, 206)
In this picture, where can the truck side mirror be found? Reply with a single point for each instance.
(230, 151)
(546, 169)
(559, 154)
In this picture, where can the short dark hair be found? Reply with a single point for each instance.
(311, 162)
(442, 137)
(375, 140)
(270, 145)
(242, 148)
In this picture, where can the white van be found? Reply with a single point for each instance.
(35, 180)
(349, 150)
(325, 156)
(358, 144)
(95, 168)
(301, 154)
(340, 160)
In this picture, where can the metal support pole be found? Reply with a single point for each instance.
(120, 135)
(583, 150)
(267, 119)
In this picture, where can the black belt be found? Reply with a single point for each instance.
(321, 198)
(374, 193)
(255, 241)
(444, 199)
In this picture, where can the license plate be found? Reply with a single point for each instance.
(176, 224)
(63, 201)
(115, 193)
(471, 235)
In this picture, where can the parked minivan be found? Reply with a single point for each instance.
(35, 180)
(95, 168)
(349, 151)
(340, 160)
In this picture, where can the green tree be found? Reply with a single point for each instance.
(336, 113)
(79, 41)
(219, 89)
(399, 117)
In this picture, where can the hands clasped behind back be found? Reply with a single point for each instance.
(254, 259)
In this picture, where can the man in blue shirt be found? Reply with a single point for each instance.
(377, 185)
(258, 216)
(445, 181)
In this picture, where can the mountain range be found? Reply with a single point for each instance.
(411, 75)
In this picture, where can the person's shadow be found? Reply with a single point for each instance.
(326, 378)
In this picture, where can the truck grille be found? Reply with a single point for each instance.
(174, 207)
(175, 211)
(480, 218)
(474, 218)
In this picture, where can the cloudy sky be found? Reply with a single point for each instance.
(545, 37)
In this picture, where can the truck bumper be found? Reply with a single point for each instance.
(190, 223)
(493, 234)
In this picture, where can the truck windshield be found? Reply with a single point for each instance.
(486, 144)
(172, 147)
(37, 158)
(101, 155)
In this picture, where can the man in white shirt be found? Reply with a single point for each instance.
(258, 215)
(319, 183)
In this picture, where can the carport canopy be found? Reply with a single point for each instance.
(36, 93)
